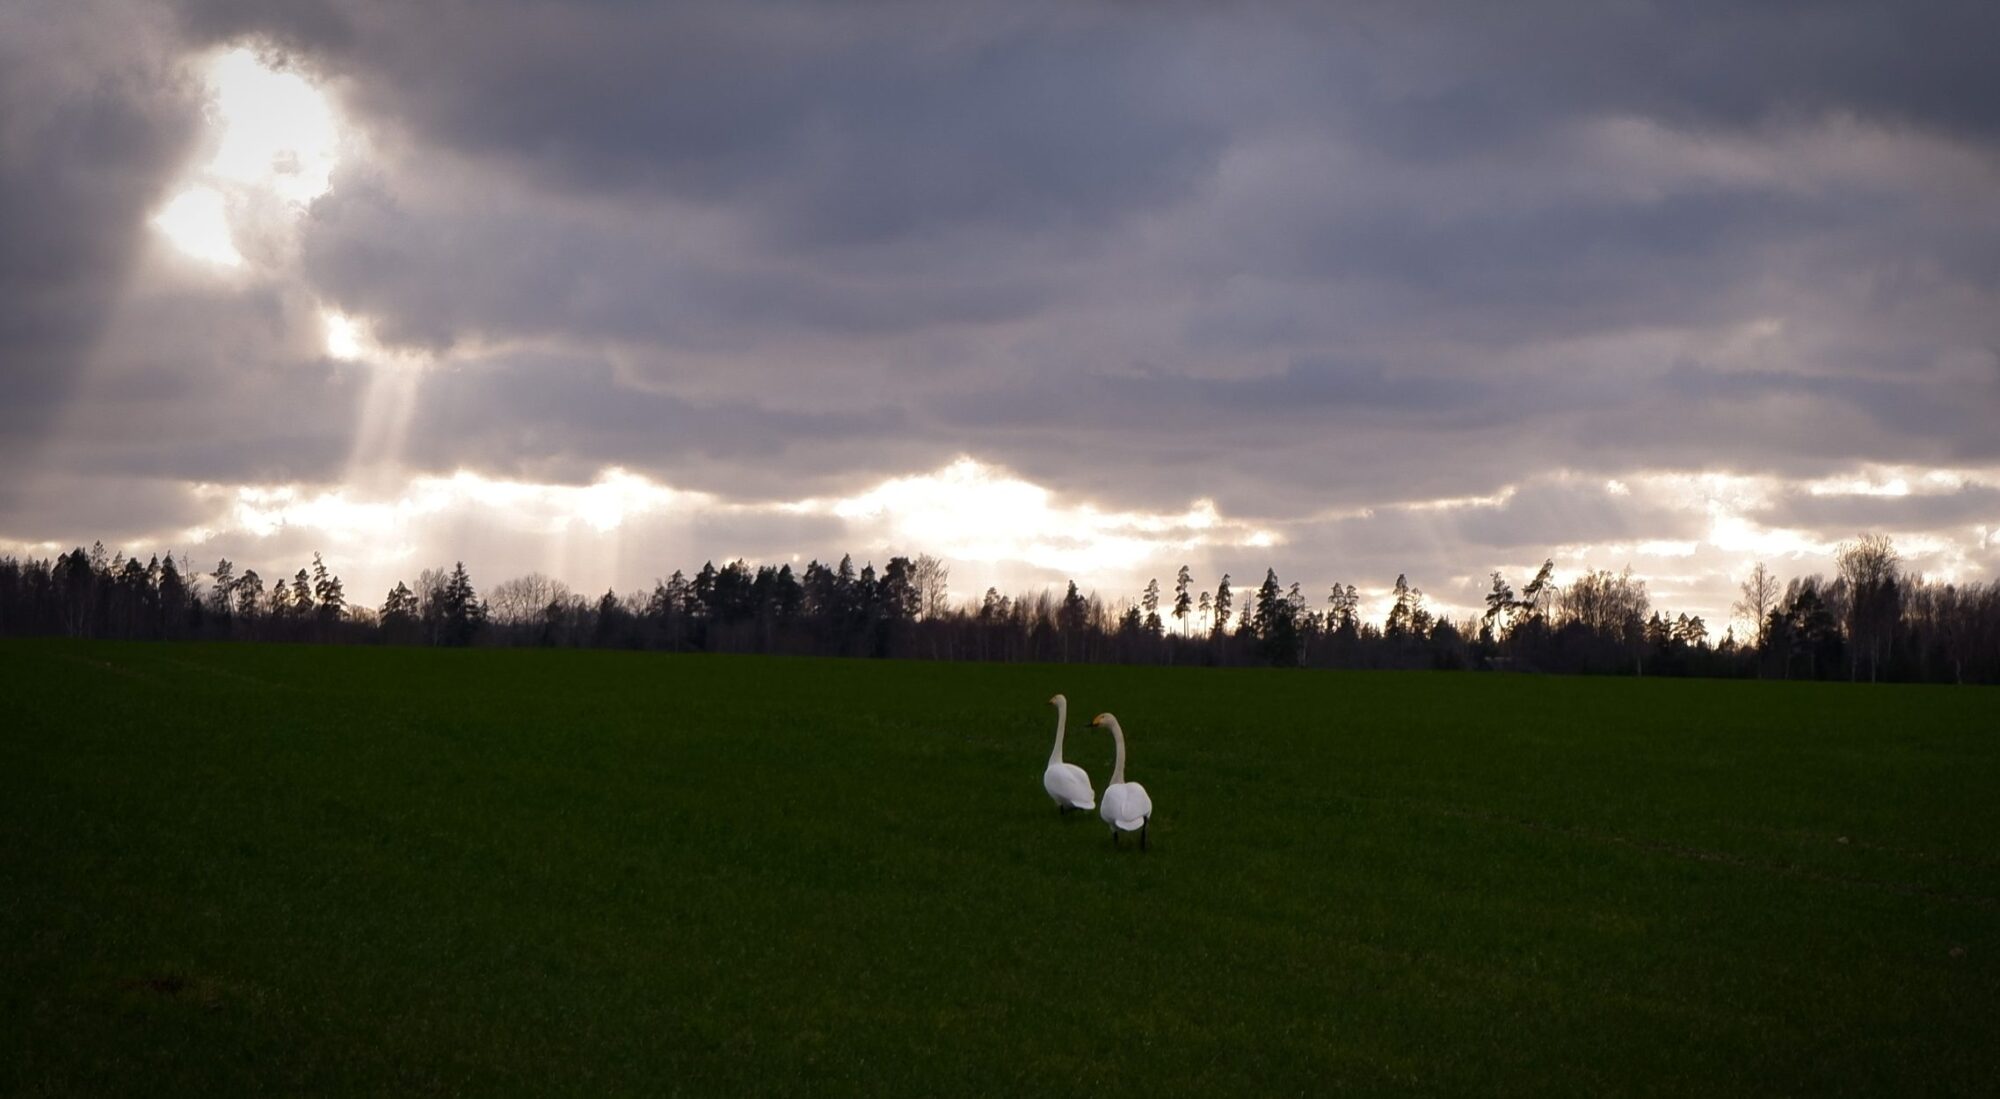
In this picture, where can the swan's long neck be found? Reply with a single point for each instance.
(1062, 720)
(1117, 738)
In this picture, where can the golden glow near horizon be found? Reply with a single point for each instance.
(603, 505)
(997, 527)
(972, 511)
(276, 137)
(967, 512)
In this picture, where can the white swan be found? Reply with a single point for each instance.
(1066, 783)
(1127, 807)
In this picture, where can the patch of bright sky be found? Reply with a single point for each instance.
(344, 335)
(975, 512)
(351, 338)
(275, 135)
(198, 224)
(1897, 481)
(602, 506)
(1451, 503)
(277, 130)
(968, 512)
(983, 516)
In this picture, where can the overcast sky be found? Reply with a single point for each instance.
(1046, 290)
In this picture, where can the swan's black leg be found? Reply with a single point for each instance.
(1114, 837)
(1142, 833)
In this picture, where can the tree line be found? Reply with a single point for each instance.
(1870, 621)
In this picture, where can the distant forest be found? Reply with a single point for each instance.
(1870, 622)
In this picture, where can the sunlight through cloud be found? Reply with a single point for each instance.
(197, 223)
(971, 511)
(276, 136)
(277, 130)
(343, 335)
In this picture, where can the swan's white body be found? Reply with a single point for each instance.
(1066, 783)
(1127, 807)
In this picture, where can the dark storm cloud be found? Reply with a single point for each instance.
(563, 419)
(852, 122)
(1043, 221)
(463, 256)
(116, 510)
(213, 380)
(1445, 78)
(93, 122)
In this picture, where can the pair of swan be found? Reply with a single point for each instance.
(1127, 807)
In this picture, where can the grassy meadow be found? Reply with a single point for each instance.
(228, 869)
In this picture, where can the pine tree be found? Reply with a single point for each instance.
(328, 593)
(901, 601)
(1182, 606)
(222, 597)
(1500, 603)
(1540, 592)
(462, 613)
(702, 591)
(1129, 623)
(1399, 623)
(1075, 612)
(1270, 597)
(1343, 610)
(249, 592)
(399, 610)
(1273, 623)
(173, 599)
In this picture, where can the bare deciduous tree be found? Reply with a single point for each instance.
(1874, 599)
(931, 578)
(1760, 594)
(523, 600)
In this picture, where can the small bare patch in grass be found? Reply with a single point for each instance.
(174, 986)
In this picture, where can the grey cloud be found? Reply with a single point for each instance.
(1545, 512)
(1450, 77)
(1843, 513)
(855, 123)
(436, 263)
(93, 121)
(211, 380)
(78, 508)
(842, 176)
(564, 419)
(1290, 257)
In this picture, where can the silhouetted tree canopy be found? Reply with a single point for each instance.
(1872, 621)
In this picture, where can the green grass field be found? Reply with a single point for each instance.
(234, 869)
